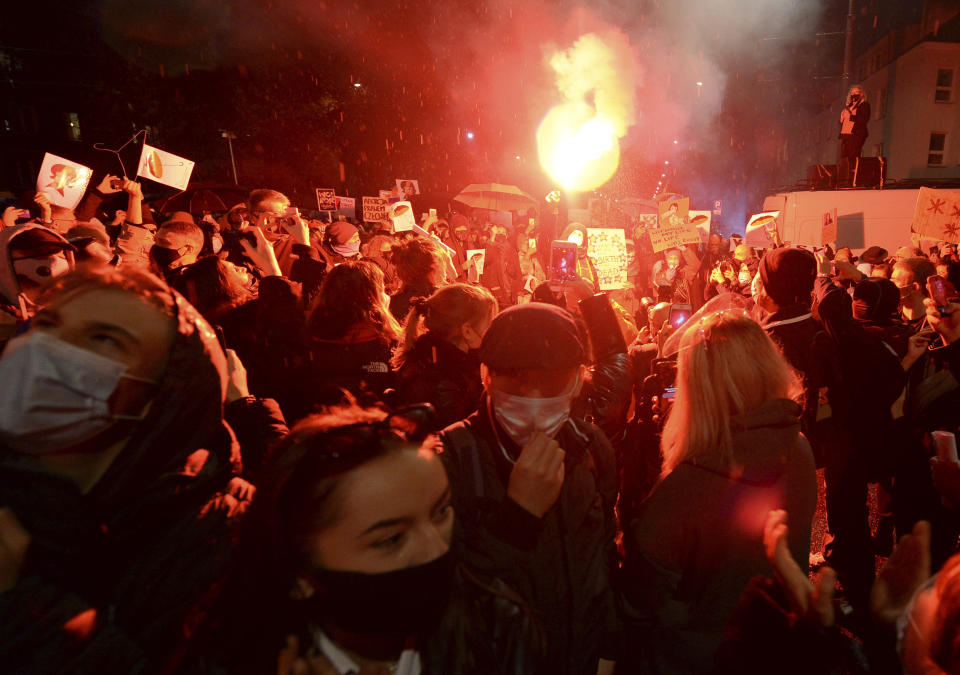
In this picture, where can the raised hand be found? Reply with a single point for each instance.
(537, 476)
(905, 571)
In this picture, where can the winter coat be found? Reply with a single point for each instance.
(112, 574)
(486, 629)
(358, 362)
(809, 350)
(561, 564)
(868, 378)
(442, 374)
(400, 301)
(698, 540)
(605, 397)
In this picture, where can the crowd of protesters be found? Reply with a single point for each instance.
(247, 442)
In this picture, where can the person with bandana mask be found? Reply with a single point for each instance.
(117, 472)
(346, 565)
(437, 361)
(31, 256)
(342, 242)
(535, 487)
(177, 244)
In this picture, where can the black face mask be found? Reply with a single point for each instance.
(164, 257)
(404, 602)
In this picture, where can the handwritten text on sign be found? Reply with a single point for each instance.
(608, 250)
(375, 209)
(672, 236)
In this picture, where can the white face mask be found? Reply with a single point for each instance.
(521, 416)
(54, 395)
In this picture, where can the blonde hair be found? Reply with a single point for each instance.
(444, 313)
(727, 366)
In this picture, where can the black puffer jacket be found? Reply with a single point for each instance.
(440, 373)
(561, 564)
(698, 540)
(605, 398)
(111, 575)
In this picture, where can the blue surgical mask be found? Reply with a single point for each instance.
(55, 395)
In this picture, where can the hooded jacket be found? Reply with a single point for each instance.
(12, 300)
(698, 539)
(112, 574)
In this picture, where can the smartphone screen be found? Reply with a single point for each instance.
(680, 314)
(563, 261)
(669, 393)
(433, 213)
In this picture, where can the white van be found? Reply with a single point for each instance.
(864, 218)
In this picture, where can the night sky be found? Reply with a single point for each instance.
(281, 75)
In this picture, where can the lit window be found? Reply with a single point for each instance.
(938, 142)
(944, 93)
(73, 126)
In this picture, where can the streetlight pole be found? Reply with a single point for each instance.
(848, 47)
(229, 135)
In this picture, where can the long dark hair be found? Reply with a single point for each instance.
(352, 293)
(210, 288)
(297, 497)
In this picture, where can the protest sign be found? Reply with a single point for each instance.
(407, 188)
(674, 212)
(648, 220)
(937, 215)
(326, 199)
(607, 247)
(63, 181)
(479, 264)
(401, 214)
(828, 234)
(761, 229)
(671, 236)
(702, 220)
(164, 167)
(347, 206)
(374, 209)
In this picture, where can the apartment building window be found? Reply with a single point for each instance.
(73, 126)
(882, 104)
(938, 143)
(944, 93)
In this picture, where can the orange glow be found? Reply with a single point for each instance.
(578, 139)
(578, 148)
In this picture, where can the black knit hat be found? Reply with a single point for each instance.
(788, 275)
(876, 299)
(534, 336)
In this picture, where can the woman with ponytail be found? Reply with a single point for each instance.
(437, 361)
